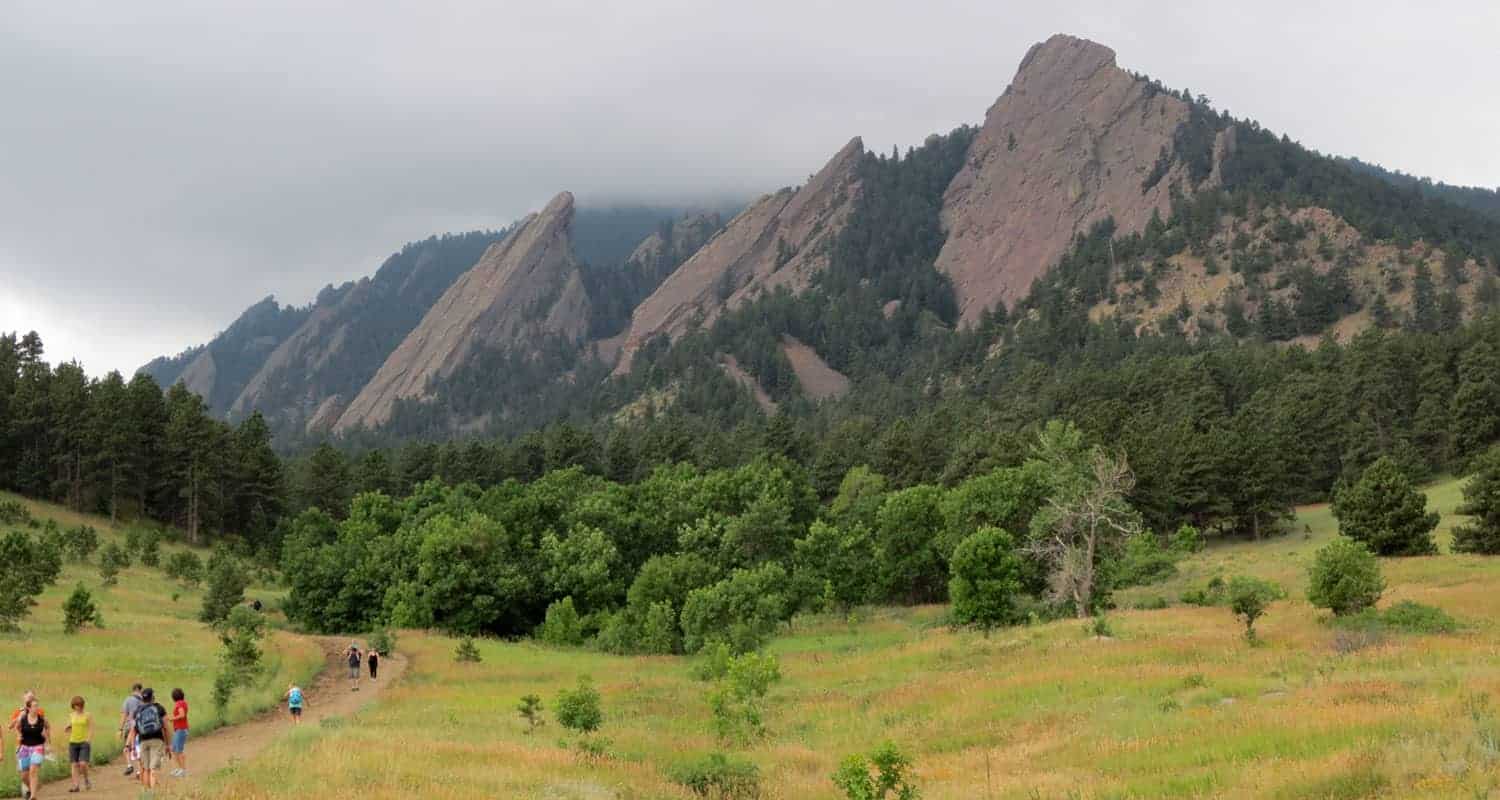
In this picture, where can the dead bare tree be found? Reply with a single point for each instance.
(1083, 518)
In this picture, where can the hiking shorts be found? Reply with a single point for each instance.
(28, 757)
(179, 740)
(354, 672)
(79, 752)
(296, 710)
(153, 754)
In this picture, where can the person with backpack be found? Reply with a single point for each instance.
(354, 659)
(80, 732)
(151, 736)
(33, 732)
(179, 732)
(294, 703)
(127, 728)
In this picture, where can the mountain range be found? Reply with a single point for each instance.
(1089, 196)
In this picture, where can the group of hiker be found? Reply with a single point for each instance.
(152, 738)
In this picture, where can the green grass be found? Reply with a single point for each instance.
(148, 637)
(1177, 705)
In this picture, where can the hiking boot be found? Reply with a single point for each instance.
(129, 770)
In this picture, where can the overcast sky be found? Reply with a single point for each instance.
(165, 164)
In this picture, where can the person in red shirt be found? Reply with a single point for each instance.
(179, 733)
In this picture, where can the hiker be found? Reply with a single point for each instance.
(294, 703)
(80, 732)
(127, 728)
(33, 732)
(352, 654)
(151, 738)
(179, 733)
(28, 698)
(373, 659)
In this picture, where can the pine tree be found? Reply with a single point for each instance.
(1385, 511)
(80, 611)
(1482, 505)
(1476, 401)
(226, 587)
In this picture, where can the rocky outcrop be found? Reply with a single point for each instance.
(527, 285)
(309, 378)
(1073, 140)
(201, 375)
(780, 240)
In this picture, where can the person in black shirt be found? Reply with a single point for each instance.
(373, 659)
(34, 732)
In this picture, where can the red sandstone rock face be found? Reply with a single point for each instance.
(1068, 144)
(780, 240)
(526, 285)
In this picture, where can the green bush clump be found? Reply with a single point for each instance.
(1248, 599)
(578, 709)
(884, 775)
(562, 627)
(1411, 617)
(467, 652)
(184, 566)
(1211, 594)
(987, 580)
(1384, 510)
(718, 776)
(1344, 577)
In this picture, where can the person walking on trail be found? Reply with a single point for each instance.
(127, 728)
(151, 736)
(373, 659)
(33, 732)
(80, 732)
(353, 656)
(179, 733)
(27, 699)
(294, 703)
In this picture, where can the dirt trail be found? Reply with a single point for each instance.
(329, 696)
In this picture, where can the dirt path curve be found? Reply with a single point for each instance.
(329, 696)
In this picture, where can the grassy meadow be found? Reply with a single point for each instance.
(151, 633)
(1175, 704)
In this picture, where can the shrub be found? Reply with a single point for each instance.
(986, 580)
(578, 709)
(467, 652)
(561, 626)
(226, 588)
(1385, 511)
(80, 611)
(1155, 603)
(1099, 627)
(1143, 560)
(884, 775)
(1411, 617)
(1248, 599)
(184, 566)
(718, 776)
(1344, 577)
(80, 542)
(713, 662)
(14, 512)
(659, 630)
(1210, 594)
(383, 641)
(530, 709)
(111, 560)
(737, 698)
(1482, 505)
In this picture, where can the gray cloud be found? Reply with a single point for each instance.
(164, 164)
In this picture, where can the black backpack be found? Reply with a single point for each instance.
(148, 720)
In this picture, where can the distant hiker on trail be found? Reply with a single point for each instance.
(179, 733)
(353, 656)
(294, 703)
(80, 732)
(150, 735)
(33, 732)
(373, 658)
(127, 729)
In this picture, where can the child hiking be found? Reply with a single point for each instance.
(294, 702)
(179, 733)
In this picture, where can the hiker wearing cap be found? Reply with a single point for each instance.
(150, 734)
(352, 655)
